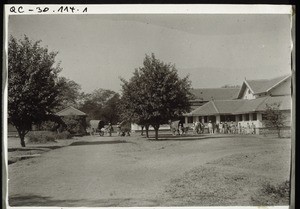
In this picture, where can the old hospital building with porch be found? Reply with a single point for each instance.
(243, 105)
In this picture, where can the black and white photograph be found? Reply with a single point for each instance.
(153, 109)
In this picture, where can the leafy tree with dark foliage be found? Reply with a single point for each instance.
(155, 94)
(101, 104)
(69, 93)
(32, 84)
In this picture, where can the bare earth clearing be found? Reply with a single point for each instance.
(133, 171)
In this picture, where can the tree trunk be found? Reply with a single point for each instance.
(156, 127)
(147, 130)
(142, 133)
(23, 141)
(22, 134)
(156, 133)
(278, 132)
(22, 138)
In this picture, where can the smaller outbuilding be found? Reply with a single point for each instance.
(74, 120)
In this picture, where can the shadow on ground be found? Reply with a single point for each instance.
(35, 200)
(33, 148)
(97, 142)
(190, 137)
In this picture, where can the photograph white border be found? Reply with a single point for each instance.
(140, 9)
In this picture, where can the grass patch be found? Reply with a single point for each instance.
(270, 194)
(210, 186)
(236, 180)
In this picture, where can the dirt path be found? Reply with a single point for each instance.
(104, 171)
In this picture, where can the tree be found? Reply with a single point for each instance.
(101, 104)
(274, 117)
(69, 93)
(110, 111)
(231, 86)
(32, 84)
(155, 94)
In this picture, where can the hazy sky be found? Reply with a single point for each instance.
(95, 50)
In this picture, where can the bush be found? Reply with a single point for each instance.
(64, 135)
(273, 194)
(41, 137)
(47, 136)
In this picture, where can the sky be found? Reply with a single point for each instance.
(214, 50)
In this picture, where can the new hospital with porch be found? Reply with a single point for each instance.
(243, 105)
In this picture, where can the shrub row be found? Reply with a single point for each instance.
(47, 136)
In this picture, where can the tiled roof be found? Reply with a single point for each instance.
(207, 94)
(207, 109)
(264, 85)
(70, 111)
(250, 105)
(228, 106)
(284, 101)
(240, 106)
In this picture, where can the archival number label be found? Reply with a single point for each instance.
(41, 9)
(69, 9)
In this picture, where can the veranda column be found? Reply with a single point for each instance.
(250, 116)
(244, 117)
(218, 118)
(186, 119)
(259, 122)
(236, 118)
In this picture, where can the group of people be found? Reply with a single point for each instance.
(106, 130)
(198, 127)
(225, 128)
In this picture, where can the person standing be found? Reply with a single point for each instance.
(248, 128)
(109, 129)
(252, 128)
(217, 128)
(197, 126)
(119, 129)
(221, 128)
(201, 127)
(225, 128)
(180, 129)
(210, 127)
(232, 127)
(240, 129)
(194, 127)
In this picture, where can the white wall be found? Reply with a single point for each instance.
(135, 127)
(283, 89)
(248, 94)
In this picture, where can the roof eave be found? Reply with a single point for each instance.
(278, 83)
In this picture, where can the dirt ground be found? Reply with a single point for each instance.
(16, 152)
(134, 171)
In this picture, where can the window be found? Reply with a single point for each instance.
(212, 118)
(190, 119)
(222, 118)
(240, 117)
(254, 116)
(229, 118)
(247, 117)
(205, 119)
(249, 91)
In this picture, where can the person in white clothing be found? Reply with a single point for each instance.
(210, 128)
